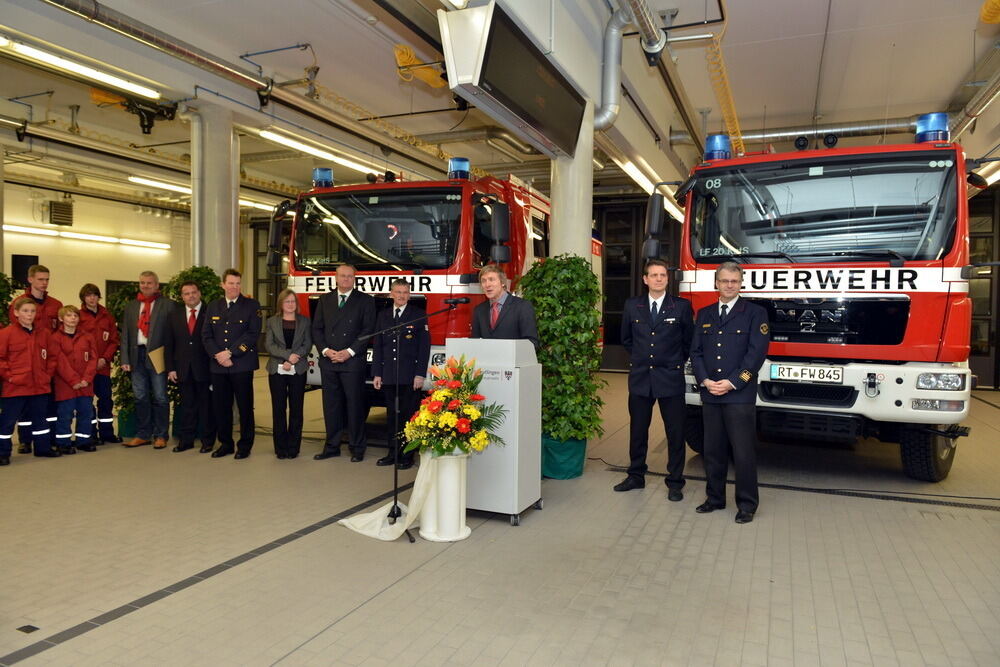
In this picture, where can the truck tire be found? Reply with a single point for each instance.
(926, 456)
(694, 429)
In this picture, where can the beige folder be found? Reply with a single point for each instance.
(156, 358)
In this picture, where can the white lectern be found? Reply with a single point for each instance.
(507, 480)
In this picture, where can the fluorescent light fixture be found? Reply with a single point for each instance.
(256, 204)
(160, 184)
(86, 71)
(302, 147)
(993, 175)
(637, 176)
(77, 236)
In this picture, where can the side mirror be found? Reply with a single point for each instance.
(682, 192)
(654, 215)
(500, 223)
(976, 181)
(651, 249)
(274, 233)
(281, 210)
(500, 254)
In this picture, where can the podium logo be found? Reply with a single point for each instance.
(507, 375)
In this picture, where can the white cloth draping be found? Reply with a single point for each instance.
(376, 523)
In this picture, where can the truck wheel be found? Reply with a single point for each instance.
(694, 429)
(926, 456)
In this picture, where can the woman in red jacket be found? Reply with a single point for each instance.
(98, 322)
(76, 364)
(26, 371)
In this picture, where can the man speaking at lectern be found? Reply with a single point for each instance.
(502, 315)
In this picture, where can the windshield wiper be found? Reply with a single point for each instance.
(744, 255)
(895, 259)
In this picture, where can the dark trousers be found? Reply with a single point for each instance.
(640, 412)
(731, 425)
(287, 394)
(152, 411)
(197, 418)
(82, 407)
(344, 406)
(409, 401)
(104, 421)
(225, 388)
(25, 426)
(34, 409)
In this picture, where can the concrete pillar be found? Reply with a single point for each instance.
(215, 173)
(3, 257)
(573, 194)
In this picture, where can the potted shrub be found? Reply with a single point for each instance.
(565, 294)
(121, 383)
(8, 290)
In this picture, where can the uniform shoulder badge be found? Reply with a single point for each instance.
(705, 326)
(764, 328)
(746, 375)
(243, 347)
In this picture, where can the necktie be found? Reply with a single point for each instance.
(396, 318)
(229, 304)
(494, 314)
(343, 298)
(725, 310)
(652, 313)
(191, 320)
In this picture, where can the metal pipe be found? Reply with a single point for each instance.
(611, 72)
(654, 38)
(864, 128)
(125, 25)
(963, 120)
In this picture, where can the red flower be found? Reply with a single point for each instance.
(425, 401)
(463, 425)
(441, 383)
(454, 384)
(413, 417)
(477, 397)
(435, 406)
(454, 403)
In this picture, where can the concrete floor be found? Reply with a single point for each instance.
(134, 557)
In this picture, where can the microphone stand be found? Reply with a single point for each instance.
(394, 511)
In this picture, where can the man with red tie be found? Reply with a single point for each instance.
(187, 366)
(502, 315)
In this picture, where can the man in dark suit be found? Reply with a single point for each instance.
(187, 366)
(502, 315)
(342, 324)
(145, 330)
(232, 326)
(656, 332)
(399, 365)
(730, 343)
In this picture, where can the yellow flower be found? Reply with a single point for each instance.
(441, 395)
(479, 441)
(447, 419)
(472, 412)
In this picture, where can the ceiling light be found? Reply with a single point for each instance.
(637, 176)
(256, 204)
(160, 184)
(77, 236)
(39, 56)
(30, 230)
(145, 244)
(88, 237)
(300, 146)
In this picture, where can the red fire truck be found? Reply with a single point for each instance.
(434, 234)
(858, 256)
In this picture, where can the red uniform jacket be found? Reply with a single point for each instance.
(47, 315)
(25, 361)
(103, 328)
(75, 360)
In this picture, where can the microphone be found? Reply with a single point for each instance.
(461, 299)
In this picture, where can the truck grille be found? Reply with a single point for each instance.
(809, 425)
(878, 321)
(834, 396)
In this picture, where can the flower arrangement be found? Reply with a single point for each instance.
(453, 416)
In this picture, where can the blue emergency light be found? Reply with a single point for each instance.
(322, 177)
(717, 147)
(458, 167)
(932, 127)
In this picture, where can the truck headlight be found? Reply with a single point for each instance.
(941, 381)
(936, 404)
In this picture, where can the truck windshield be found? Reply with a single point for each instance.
(400, 229)
(844, 208)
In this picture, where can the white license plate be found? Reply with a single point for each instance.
(795, 373)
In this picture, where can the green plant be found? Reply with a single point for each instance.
(565, 294)
(121, 383)
(8, 289)
(208, 281)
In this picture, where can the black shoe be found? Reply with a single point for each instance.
(220, 452)
(112, 439)
(293, 455)
(281, 455)
(24, 449)
(357, 458)
(51, 454)
(205, 449)
(4, 460)
(405, 465)
(630, 483)
(327, 454)
(241, 455)
(87, 448)
(675, 495)
(386, 461)
(707, 507)
(744, 517)
(66, 451)
(183, 448)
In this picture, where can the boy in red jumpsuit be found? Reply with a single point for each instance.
(98, 322)
(75, 367)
